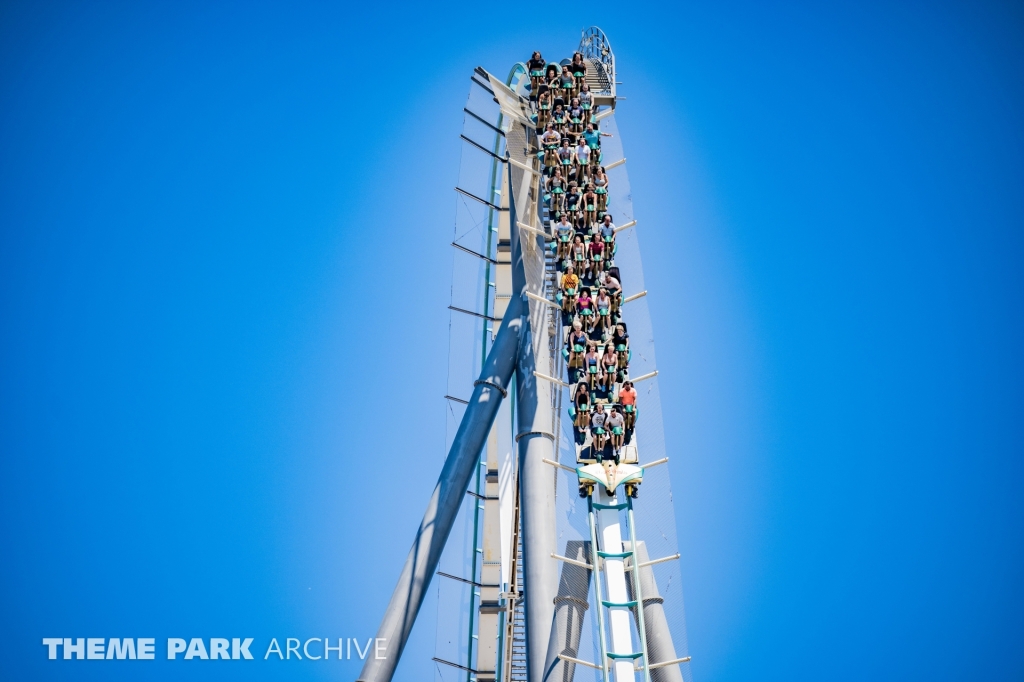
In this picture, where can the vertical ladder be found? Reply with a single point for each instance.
(608, 555)
(513, 629)
(518, 648)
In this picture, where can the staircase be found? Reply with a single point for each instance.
(518, 658)
(600, 84)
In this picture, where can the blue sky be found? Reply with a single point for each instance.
(204, 229)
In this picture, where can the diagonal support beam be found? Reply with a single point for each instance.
(444, 504)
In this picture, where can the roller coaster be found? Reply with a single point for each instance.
(551, 529)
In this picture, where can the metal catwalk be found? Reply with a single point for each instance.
(551, 528)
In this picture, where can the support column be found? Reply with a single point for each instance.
(463, 458)
(536, 502)
(571, 606)
(659, 638)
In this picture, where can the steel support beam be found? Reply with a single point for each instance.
(659, 638)
(463, 458)
(571, 605)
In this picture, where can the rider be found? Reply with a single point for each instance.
(592, 362)
(627, 398)
(611, 280)
(585, 308)
(609, 367)
(620, 339)
(590, 205)
(597, 254)
(597, 433)
(570, 286)
(578, 69)
(582, 403)
(553, 82)
(572, 200)
(543, 106)
(586, 100)
(576, 116)
(616, 424)
(593, 136)
(582, 161)
(604, 308)
(550, 140)
(568, 83)
(556, 186)
(601, 187)
(536, 68)
(577, 345)
(608, 233)
(579, 253)
(566, 156)
(565, 233)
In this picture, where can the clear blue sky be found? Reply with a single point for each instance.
(206, 209)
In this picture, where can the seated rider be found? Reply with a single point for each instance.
(582, 403)
(570, 288)
(565, 156)
(543, 107)
(610, 282)
(600, 181)
(572, 200)
(576, 345)
(579, 253)
(576, 116)
(582, 162)
(558, 117)
(592, 362)
(536, 68)
(597, 254)
(590, 205)
(585, 309)
(578, 68)
(607, 232)
(564, 233)
(550, 139)
(604, 308)
(609, 367)
(615, 423)
(556, 186)
(620, 339)
(593, 136)
(554, 83)
(586, 99)
(568, 83)
(597, 434)
(627, 398)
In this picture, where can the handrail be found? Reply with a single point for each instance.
(594, 45)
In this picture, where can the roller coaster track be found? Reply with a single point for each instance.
(537, 528)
